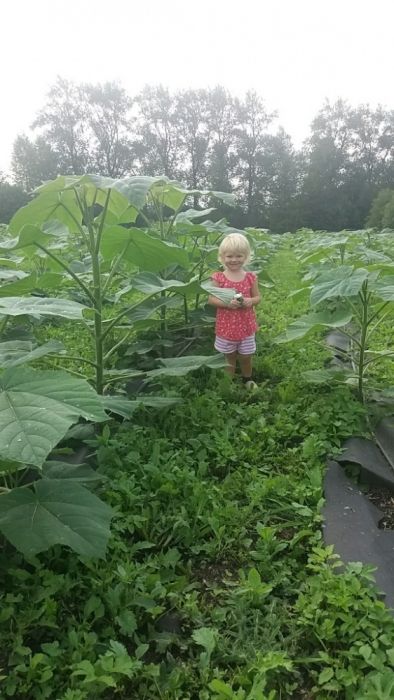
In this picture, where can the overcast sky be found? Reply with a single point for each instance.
(294, 53)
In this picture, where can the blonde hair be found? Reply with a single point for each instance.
(235, 243)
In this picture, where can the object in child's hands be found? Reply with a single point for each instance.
(239, 297)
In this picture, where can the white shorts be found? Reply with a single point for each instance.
(246, 346)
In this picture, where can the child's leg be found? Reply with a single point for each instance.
(246, 363)
(231, 358)
(246, 350)
(228, 348)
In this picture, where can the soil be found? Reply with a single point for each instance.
(215, 576)
(384, 500)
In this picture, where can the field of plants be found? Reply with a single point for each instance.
(161, 527)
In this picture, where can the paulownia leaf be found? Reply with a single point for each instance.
(12, 275)
(17, 352)
(55, 512)
(140, 249)
(49, 205)
(192, 214)
(49, 280)
(179, 366)
(383, 288)
(53, 469)
(125, 407)
(301, 326)
(40, 306)
(149, 283)
(342, 282)
(149, 307)
(322, 376)
(38, 407)
(221, 293)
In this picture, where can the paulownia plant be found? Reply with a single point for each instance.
(99, 215)
(357, 300)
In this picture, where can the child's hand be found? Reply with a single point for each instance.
(248, 303)
(236, 304)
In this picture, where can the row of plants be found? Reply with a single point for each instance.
(216, 583)
(75, 253)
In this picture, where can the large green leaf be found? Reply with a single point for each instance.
(149, 283)
(38, 407)
(303, 325)
(61, 206)
(55, 512)
(126, 407)
(81, 473)
(29, 235)
(342, 282)
(6, 275)
(140, 249)
(17, 352)
(192, 214)
(49, 280)
(383, 288)
(222, 293)
(179, 366)
(136, 188)
(40, 306)
(322, 376)
(149, 307)
(95, 189)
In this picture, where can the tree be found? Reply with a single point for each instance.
(64, 125)
(281, 169)
(221, 154)
(109, 119)
(159, 144)
(350, 156)
(323, 200)
(381, 214)
(12, 198)
(251, 133)
(33, 162)
(192, 115)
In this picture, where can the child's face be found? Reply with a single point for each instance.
(234, 260)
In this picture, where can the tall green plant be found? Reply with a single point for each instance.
(357, 299)
(101, 214)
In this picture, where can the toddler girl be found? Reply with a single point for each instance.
(236, 321)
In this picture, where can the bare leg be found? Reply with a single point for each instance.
(231, 358)
(246, 365)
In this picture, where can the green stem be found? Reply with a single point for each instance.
(122, 377)
(185, 310)
(118, 344)
(163, 314)
(114, 268)
(68, 270)
(101, 227)
(377, 313)
(117, 318)
(97, 296)
(364, 296)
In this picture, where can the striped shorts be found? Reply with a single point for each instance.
(246, 346)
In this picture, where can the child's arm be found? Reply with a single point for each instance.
(255, 297)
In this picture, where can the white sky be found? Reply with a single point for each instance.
(295, 53)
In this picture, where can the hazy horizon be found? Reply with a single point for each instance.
(294, 55)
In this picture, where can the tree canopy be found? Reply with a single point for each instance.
(208, 138)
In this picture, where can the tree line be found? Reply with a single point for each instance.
(208, 138)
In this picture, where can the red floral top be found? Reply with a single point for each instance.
(235, 324)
